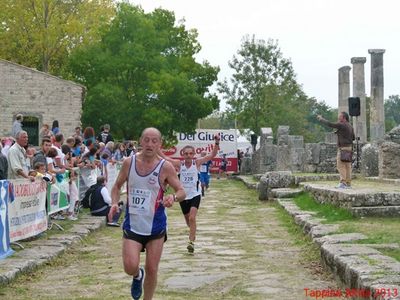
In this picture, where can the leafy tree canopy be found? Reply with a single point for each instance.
(392, 112)
(143, 73)
(263, 92)
(41, 33)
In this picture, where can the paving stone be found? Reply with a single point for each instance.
(41, 251)
(322, 230)
(192, 281)
(340, 238)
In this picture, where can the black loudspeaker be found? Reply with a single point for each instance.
(354, 106)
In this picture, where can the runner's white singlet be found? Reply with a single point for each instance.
(145, 215)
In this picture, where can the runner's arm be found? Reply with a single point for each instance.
(173, 161)
(172, 179)
(211, 155)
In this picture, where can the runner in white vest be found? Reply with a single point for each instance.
(189, 177)
(145, 224)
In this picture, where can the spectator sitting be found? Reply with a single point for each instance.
(100, 201)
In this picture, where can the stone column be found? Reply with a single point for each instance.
(344, 89)
(377, 111)
(360, 122)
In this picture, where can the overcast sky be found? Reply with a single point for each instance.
(319, 36)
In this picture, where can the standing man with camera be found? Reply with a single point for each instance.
(345, 138)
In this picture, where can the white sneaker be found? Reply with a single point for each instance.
(72, 218)
(342, 186)
(58, 217)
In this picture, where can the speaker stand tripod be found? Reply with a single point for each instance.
(358, 152)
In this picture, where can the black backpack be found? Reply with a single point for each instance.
(88, 194)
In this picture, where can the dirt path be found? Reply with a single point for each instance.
(243, 251)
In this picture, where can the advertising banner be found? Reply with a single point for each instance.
(27, 212)
(112, 173)
(58, 193)
(203, 140)
(5, 191)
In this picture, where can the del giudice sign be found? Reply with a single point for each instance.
(203, 141)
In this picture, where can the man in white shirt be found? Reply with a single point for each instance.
(16, 157)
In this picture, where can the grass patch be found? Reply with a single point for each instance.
(395, 253)
(379, 230)
(328, 211)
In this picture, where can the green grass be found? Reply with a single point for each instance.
(395, 253)
(328, 211)
(379, 230)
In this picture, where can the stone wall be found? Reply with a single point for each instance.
(389, 158)
(292, 154)
(369, 160)
(37, 94)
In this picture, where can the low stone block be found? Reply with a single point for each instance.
(285, 192)
(321, 230)
(340, 238)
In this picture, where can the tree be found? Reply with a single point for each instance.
(392, 112)
(263, 91)
(143, 73)
(41, 33)
(217, 120)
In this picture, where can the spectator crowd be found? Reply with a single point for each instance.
(60, 153)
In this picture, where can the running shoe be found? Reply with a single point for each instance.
(113, 224)
(137, 285)
(341, 186)
(58, 217)
(190, 247)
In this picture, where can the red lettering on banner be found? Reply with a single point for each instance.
(29, 189)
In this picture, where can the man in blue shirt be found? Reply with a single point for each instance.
(204, 174)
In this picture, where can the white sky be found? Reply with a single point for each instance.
(319, 36)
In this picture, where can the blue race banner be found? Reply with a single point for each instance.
(5, 192)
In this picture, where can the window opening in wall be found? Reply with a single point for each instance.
(31, 126)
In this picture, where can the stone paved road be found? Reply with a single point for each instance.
(242, 252)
